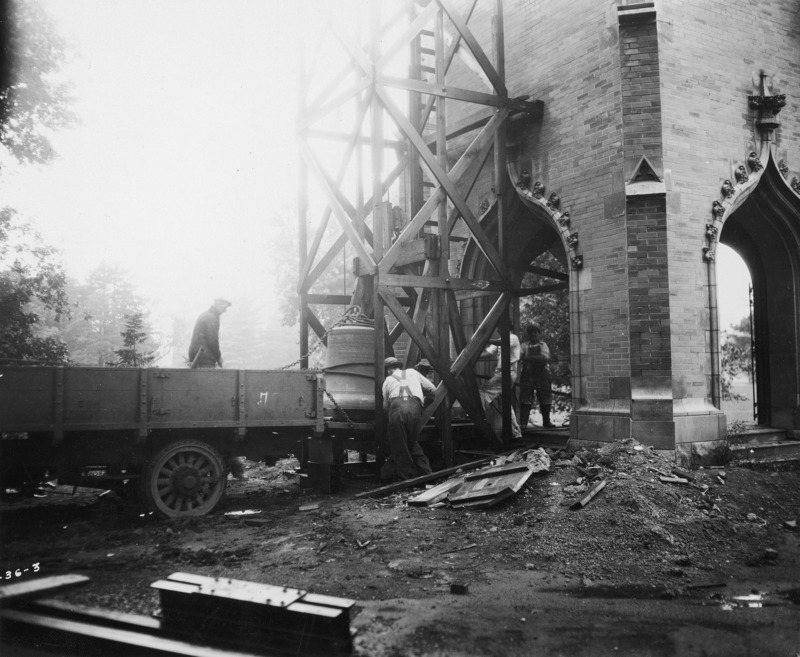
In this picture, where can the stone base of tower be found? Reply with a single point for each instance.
(692, 428)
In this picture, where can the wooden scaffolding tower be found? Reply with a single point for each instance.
(388, 70)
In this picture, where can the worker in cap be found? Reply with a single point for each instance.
(204, 348)
(403, 398)
(204, 351)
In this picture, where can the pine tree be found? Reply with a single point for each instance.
(132, 353)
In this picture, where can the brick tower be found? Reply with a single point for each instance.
(668, 126)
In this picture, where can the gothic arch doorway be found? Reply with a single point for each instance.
(538, 260)
(763, 227)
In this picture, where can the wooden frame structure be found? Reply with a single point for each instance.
(405, 269)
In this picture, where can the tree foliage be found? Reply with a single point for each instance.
(101, 307)
(32, 282)
(550, 311)
(736, 356)
(133, 352)
(32, 99)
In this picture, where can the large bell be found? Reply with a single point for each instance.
(350, 372)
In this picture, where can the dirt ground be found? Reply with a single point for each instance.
(645, 568)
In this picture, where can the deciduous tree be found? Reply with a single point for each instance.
(32, 282)
(33, 101)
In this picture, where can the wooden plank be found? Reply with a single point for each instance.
(35, 588)
(594, 490)
(423, 479)
(437, 493)
(499, 470)
(124, 637)
(492, 485)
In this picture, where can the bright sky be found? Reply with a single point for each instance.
(733, 281)
(186, 148)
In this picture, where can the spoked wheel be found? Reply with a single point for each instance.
(186, 478)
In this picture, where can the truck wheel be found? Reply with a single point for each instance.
(186, 478)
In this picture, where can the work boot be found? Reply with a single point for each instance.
(546, 417)
(524, 416)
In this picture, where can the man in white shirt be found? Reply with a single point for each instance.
(403, 397)
(492, 388)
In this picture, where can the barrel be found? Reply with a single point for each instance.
(350, 372)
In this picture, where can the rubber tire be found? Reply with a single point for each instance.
(186, 478)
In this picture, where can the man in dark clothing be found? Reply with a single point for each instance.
(204, 352)
(403, 396)
(204, 348)
(535, 377)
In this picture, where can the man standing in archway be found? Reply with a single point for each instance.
(535, 377)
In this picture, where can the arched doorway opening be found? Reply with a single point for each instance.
(737, 357)
(763, 227)
(538, 260)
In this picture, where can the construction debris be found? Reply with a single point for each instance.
(488, 486)
(424, 479)
(503, 477)
(594, 490)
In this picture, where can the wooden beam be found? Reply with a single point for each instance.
(442, 283)
(467, 125)
(344, 219)
(534, 108)
(24, 590)
(309, 118)
(550, 273)
(463, 29)
(309, 258)
(410, 32)
(315, 324)
(331, 299)
(468, 356)
(446, 182)
(464, 174)
(394, 144)
(528, 291)
(423, 479)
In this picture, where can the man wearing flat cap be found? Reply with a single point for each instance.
(204, 348)
(404, 396)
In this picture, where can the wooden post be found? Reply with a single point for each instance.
(302, 196)
(441, 317)
(378, 233)
(500, 187)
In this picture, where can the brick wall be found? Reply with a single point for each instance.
(568, 56)
(709, 52)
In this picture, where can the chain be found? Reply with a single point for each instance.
(352, 315)
(341, 410)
